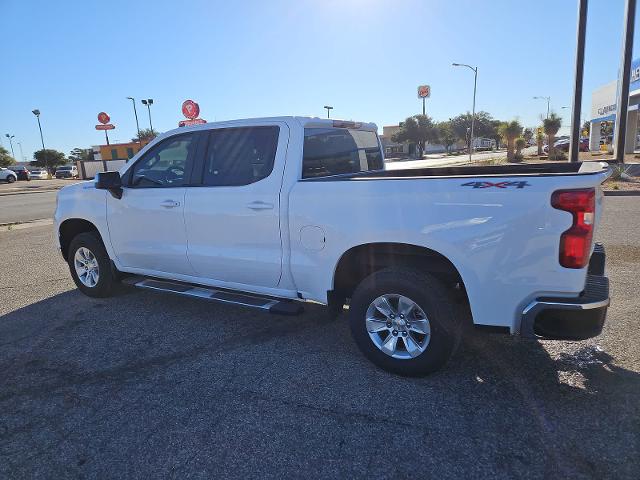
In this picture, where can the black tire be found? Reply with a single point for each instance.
(106, 279)
(11, 179)
(431, 296)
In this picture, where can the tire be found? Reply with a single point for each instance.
(11, 179)
(434, 304)
(91, 242)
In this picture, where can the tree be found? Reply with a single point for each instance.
(484, 126)
(539, 139)
(446, 134)
(418, 129)
(586, 128)
(146, 134)
(520, 144)
(527, 134)
(510, 131)
(5, 158)
(551, 127)
(48, 159)
(81, 155)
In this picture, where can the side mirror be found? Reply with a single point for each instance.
(110, 181)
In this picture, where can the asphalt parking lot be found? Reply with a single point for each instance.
(154, 386)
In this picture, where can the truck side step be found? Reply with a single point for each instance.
(279, 307)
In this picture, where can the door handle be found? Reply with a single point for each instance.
(170, 204)
(260, 206)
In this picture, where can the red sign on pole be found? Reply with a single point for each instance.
(108, 126)
(103, 118)
(191, 121)
(190, 109)
(424, 91)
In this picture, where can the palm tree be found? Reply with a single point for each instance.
(510, 131)
(520, 144)
(551, 127)
(539, 139)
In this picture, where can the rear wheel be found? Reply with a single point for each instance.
(90, 265)
(11, 179)
(404, 321)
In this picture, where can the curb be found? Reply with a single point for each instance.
(621, 193)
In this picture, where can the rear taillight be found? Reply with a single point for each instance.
(575, 243)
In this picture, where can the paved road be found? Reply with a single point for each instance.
(27, 206)
(154, 386)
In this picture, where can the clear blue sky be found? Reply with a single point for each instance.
(241, 59)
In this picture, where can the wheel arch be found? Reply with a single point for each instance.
(72, 227)
(360, 261)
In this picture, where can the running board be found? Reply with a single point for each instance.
(279, 307)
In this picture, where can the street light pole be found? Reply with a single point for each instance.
(11, 144)
(133, 100)
(329, 108)
(21, 152)
(36, 112)
(548, 99)
(473, 111)
(148, 102)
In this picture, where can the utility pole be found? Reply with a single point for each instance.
(473, 111)
(622, 106)
(329, 108)
(574, 145)
(11, 144)
(133, 100)
(148, 102)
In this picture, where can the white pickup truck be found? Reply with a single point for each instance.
(270, 213)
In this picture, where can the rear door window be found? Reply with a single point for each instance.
(335, 151)
(240, 156)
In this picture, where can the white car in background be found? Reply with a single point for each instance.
(38, 175)
(7, 175)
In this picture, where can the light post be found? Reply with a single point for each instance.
(473, 112)
(133, 100)
(329, 108)
(148, 102)
(11, 143)
(548, 99)
(21, 152)
(36, 112)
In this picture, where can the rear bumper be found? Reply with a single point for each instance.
(575, 318)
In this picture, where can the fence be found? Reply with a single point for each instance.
(88, 169)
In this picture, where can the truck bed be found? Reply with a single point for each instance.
(526, 169)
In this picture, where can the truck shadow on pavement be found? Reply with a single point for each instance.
(99, 385)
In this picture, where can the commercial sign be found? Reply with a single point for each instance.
(103, 117)
(107, 126)
(191, 110)
(424, 91)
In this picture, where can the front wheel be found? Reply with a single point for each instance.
(90, 265)
(404, 321)
(11, 179)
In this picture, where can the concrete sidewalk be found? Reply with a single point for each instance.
(34, 186)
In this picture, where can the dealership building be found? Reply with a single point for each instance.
(603, 114)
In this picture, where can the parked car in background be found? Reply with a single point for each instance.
(67, 171)
(563, 145)
(21, 172)
(7, 175)
(39, 175)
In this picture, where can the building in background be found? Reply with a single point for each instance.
(117, 151)
(603, 114)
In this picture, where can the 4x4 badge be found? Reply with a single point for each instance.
(497, 185)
